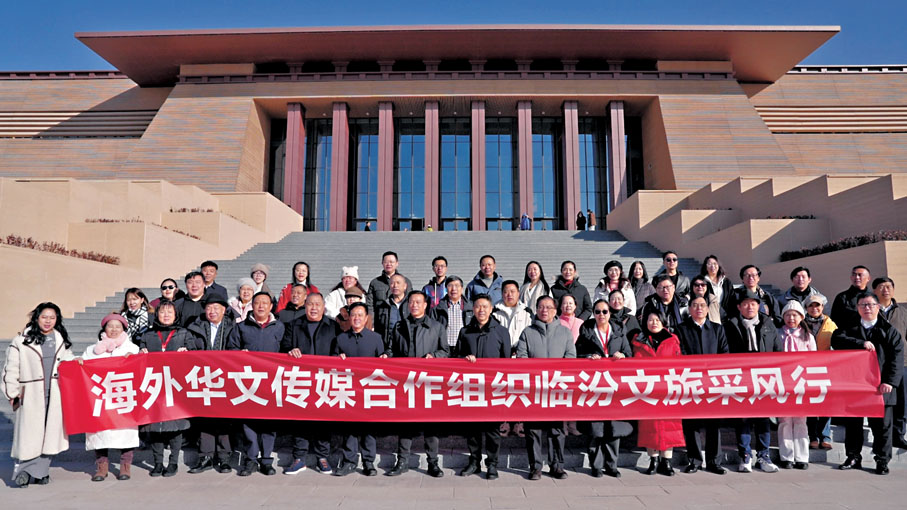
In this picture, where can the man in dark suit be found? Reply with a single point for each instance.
(418, 336)
(874, 334)
(483, 337)
(753, 331)
(209, 273)
(699, 335)
(312, 334)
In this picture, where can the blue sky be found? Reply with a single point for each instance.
(38, 35)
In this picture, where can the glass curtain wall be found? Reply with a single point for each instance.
(364, 171)
(501, 174)
(456, 174)
(277, 154)
(547, 140)
(317, 187)
(593, 166)
(409, 174)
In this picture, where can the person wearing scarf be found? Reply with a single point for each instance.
(821, 327)
(793, 435)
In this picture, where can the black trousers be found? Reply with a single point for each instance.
(900, 409)
(173, 439)
(355, 443)
(491, 433)
(260, 436)
(604, 442)
(409, 431)
(881, 436)
(214, 437)
(556, 440)
(692, 432)
(314, 436)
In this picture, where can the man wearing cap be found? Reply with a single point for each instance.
(296, 307)
(453, 311)
(752, 331)
(877, 335)
(211, 331)
(209, 272)
(888, 308)
(312, 334)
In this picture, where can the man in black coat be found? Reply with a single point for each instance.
(418, 336)
(874, 334)
(313, 334)
(844, 311)
(296, 307)
(379, 288)
(392, 310)
(665, 301)
(483, 337)
(601, 338)
(211, 332)
(192, 305)
(896, 315)
(753, 331)
(358, 342)
(209, 273)
(699, 335)
(461, 308)
(568, 283)
(260, 332)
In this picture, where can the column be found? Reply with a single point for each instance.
(617, 155)
(478, 165)
(340, 168)
(294, 166)
(571, 195)
(524, 151)
(432, 164)
(385, 166)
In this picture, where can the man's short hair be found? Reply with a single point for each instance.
(385, 254)
(542, 298)
(304, 286)
(439, 257)
(660, 278)
(209, 263)
(192, 274)
(418, 293)
(748, 266)
(487, 256)
(669, 252)
(357, 304)
(510, 282)
(797, 270)
(861, 267)
(480, 297)
(880, 280)
(451, 279)
(866, 295)
(263, 293)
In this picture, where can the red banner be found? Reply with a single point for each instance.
(145, 388)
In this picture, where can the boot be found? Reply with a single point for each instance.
(434, 470)
(664, 467)
(125, 466)
(653, 465)
(401, 467)
(101, 473)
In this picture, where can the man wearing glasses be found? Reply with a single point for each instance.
(666, 301)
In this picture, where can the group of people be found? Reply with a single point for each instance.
(625, 315)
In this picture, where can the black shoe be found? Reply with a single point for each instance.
(558, 474)
(267, 469)
(399, 468)
(613, 473)
(785, 464)
(345, 468)
(171, 470)
(491, 472)
(368, 469)
(881, 468)
(204, 463)
(473, 468)
(535, 474)
(222, 467)
(22, 479)
(852, 462)
(157, 470)
(46, 480)
(665, 467)
(653, 465)
(691, 468)
(716, 469)
(801, 466)
(597, 473)
(248, 468)
(434, 470)
(899, 442)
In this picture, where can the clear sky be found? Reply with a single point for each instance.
(38, 35)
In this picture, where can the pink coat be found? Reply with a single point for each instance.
(658, 434)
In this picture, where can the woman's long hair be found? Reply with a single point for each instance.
(703, 270)
(138, 292)
(542, 279)
(645, 274)
(32, 331)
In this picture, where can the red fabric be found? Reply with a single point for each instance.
(285, 295)
(659, 434)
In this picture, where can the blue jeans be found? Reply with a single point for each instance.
(745, 429)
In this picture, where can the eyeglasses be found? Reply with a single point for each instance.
(699, 284)
(867, 305)
(600, 312)
(670, 260)
(168, 287)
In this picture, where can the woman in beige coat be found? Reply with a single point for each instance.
(29, 381)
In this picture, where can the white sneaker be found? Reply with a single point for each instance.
(766, 465)
(746, 466)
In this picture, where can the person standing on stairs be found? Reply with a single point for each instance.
(436, 288)
(302, 275)
(209, 272)
(190, 307)
(486, 281)
(379, 290)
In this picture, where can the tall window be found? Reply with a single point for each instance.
(364, 170)
(501, 174)
(409, 174)
(547, 138)
(277, 154)
(593, 166)
(636, 179)
(317, 194)
(456, 169)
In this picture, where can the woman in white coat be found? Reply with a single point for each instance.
(29, 381)
(333, 302)
(113, 341)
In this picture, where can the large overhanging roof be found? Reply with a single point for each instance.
(758, 53)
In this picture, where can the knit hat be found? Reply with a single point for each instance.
(354, 291)
(260, 267)
(114, 317)
(350, 271)
(795, 306)
(245, 282)
(816, 298)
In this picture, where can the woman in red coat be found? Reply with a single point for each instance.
(659, 437)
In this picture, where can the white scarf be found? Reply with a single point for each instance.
(750, 325)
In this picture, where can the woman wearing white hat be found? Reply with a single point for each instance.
(793, 436)
(349, 278)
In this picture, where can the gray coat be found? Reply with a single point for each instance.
(542, 340)
(430, 338)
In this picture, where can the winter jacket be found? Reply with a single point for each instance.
(477, 287)
(383, 317)
(579, 293)
(488, 341)
(627, 322)
(708, 339)
(435, 291)
(681, 286)
(897, 317)
(546, 340)
(37, 430)
(844, 309)
(112, 438)
(572, 323)
(287, 291)
(642, 290)
(217, 288)
(430, 338)
(201, 330)
(531, 295)
(365, 344)
(658, 434)
(252, 336)
(153, 343)
(589, 342)
(290, 313)
(240, 310)
(823, 336)
(515, 319)
(189, 310)
(766, 333)
(322, 343)
(889, 348)
(726, 302)
(379, 290)
(334, 301)
(768, 304)
(439, 313)
(790, 296)
(602, 291)
(675, 311)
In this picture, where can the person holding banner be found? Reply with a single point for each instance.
(483, 337)
(881, 337)
(546, 338)
(166, 335)
(29, 381)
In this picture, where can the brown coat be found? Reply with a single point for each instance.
(23, 376)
